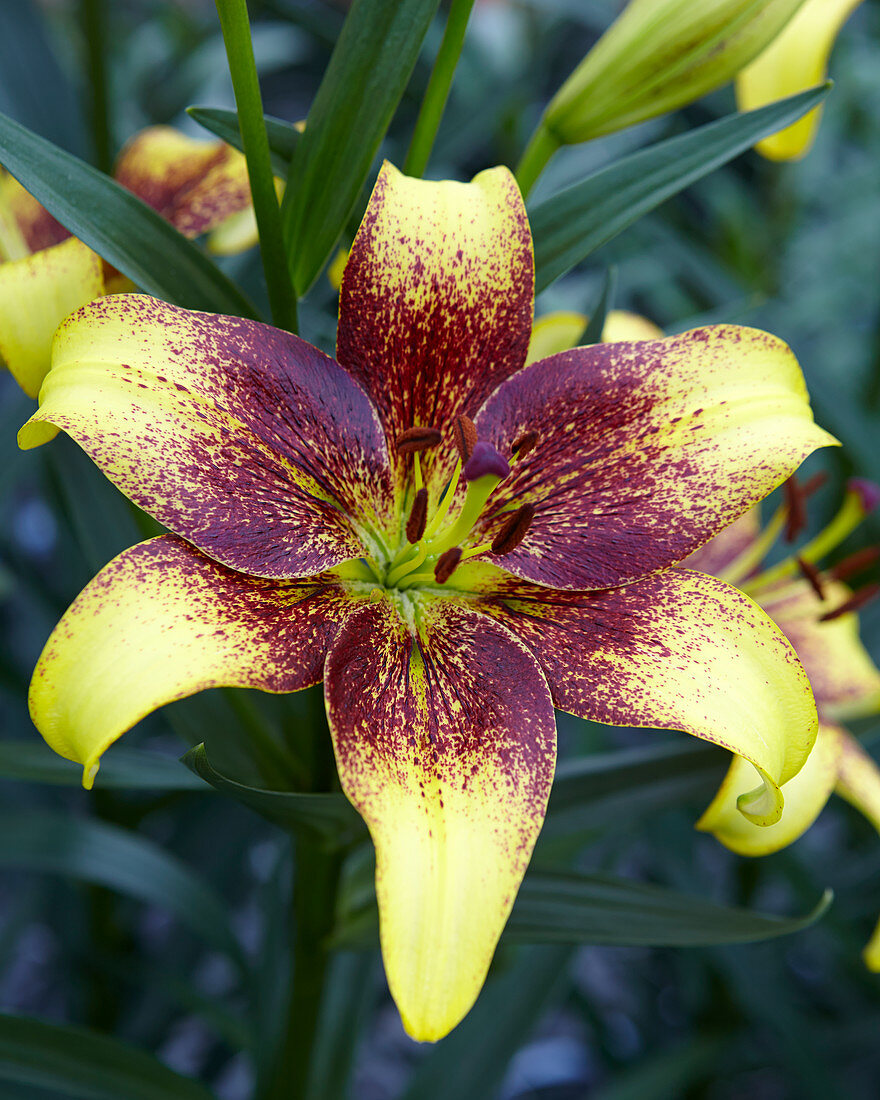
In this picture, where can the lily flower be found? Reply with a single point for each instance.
(817, 612)
(45, 273)
(795, 60)
(452, 541)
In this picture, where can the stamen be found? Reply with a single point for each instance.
(812, 574)
(797, 509)
(857, 600)
(514, 530)
(446, 565)
(417, 439)
(814, 483)
(465, 435)
(526, 442)
(418, 517)
(855, 563)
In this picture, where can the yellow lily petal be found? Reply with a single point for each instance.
(805, 796)
(845, 680)
(858, 781)
(25, 225)
(161, 622)
(795, 60)
(445, 740)
(239, 231)
(563, 329)
(196, 185)
(336, 268)
(36, 294)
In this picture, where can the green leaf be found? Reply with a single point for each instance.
(364, 80)
(569, 907)
(470, 1062)
(282, 135)
(32, 761)
(84, 1064)
(117, 225)
(669, 1073)
(577, 908)
(109, 856)
(326, 817)
(575, 222)
(597, 790)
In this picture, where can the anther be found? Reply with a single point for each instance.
(813, 576)
(418, 517)
(857, 600)
(485, 460)
(855, 563)
(796, 501)
(526, 442)
(515, 528)
(417, 439)
(447, 563)
(814, 483)
(465, 435)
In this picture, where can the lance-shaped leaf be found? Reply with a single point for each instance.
(96, 852)
(83, 1065)
(575, 222)
(117, 225)
(375, 55)
(327, 817)
(283, 136)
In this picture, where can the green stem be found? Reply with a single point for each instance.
(255, 142)
(93, 19)
(437, 91)
(314, 899)
(534, 160)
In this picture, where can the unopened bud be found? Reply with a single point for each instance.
(658, 56)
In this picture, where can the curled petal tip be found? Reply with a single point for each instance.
(485, 460)
(90, 770)
(762, 806)
(868, 492)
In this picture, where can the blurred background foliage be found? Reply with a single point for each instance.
(129, 910)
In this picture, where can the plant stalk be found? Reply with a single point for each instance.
(437, 91)
(534, 160)
(236, 29)
(93, 20)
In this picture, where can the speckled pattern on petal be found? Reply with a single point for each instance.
(645, 450)
(242, 438)
(445, 742)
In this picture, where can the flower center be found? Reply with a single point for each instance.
(433, 549)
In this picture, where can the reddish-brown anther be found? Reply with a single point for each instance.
(417, 439)
(447, 563)
(465, 435)
(514, 530)
(814, 483)
(855, 563)
(418, 517)
(812, 574)
(796, 499)
(857, 600)
(526, 442)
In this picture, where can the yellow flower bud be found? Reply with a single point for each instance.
(659, 55)
(795, 60)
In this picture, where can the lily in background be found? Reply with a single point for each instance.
(817, 612)
(795, 60)
(45, 273)
(453, 541)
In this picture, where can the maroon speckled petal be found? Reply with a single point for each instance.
(445, 740)
(720, 552)
(645, 450)
(244, 439)
(436, 300)
(677, 650)
(163, 621)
